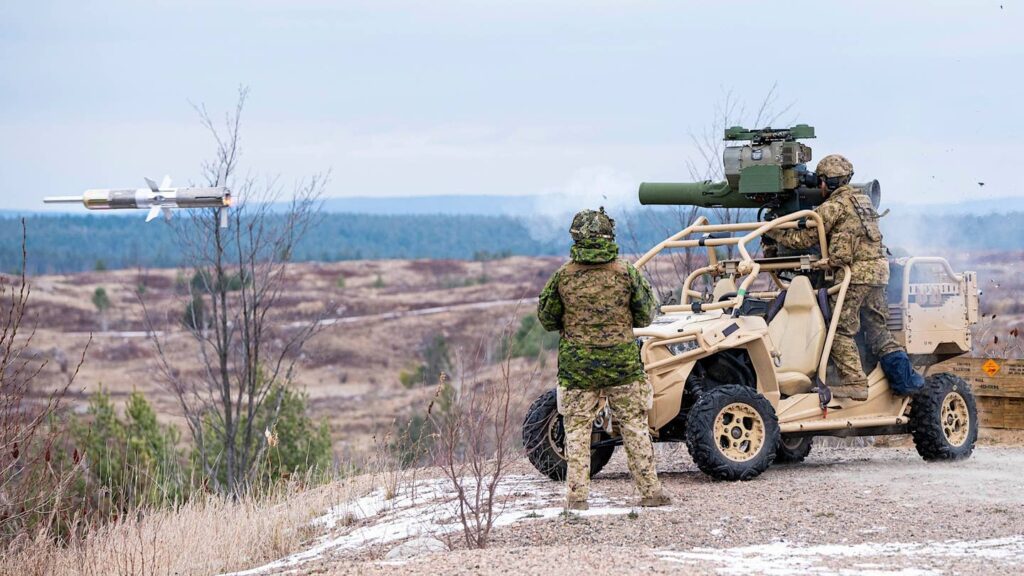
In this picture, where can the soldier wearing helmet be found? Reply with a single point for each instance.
(594, 301)
(854, 240)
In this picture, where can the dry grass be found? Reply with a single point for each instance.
(206, 536)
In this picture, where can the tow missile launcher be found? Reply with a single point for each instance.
(768, 172)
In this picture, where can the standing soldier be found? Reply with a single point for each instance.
(594, 301)
(854, 239)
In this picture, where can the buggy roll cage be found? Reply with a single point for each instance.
(713, 235)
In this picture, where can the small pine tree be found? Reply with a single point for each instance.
(437, 363)
(102, 303)
(295, 443)
(194, 316)
(530, 339)
(134, 458)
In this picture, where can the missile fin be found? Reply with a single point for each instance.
(153, 213)
(166, 182)
(152, 185)
(167, 213)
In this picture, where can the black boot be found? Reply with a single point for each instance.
(900, 373)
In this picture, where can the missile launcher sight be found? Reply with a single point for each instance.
(769, 172)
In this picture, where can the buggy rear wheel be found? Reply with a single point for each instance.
(944, 418)
(793, 449)
(544, 440)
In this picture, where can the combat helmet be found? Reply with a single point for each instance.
(833, 166)
(592, 224)
(835, 171)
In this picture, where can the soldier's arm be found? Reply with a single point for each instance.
(642, 302)
(550, 308)
(807, 237)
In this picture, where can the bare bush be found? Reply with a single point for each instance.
(36, 478)
(992, 339)
(707, 166)
(474, 443)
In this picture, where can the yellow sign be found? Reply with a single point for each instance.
(991, 368)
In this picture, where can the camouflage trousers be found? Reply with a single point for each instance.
(864, 306)
(628, 404)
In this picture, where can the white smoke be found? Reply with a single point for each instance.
(589, 187)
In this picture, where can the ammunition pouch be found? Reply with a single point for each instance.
(841, 250)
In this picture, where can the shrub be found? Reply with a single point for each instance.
(134, 460)
(530, 339)
(294, 443)
(436, 362)
(194, 316)
(100, 299)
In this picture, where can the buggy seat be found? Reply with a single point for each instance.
(797, 334)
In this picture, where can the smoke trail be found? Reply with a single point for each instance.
(589, 187)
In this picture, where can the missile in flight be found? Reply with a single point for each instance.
(157, 199)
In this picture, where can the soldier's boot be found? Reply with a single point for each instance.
(660, 499)
(572, 504)
(851, 391)
(900, 373)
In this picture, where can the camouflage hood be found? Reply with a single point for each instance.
(594, 251)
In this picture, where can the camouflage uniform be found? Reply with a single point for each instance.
(854, 239)
(595, 301)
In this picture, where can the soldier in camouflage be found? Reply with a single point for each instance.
(594, 301)
(854, 240)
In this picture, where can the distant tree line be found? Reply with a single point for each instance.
(75, 243)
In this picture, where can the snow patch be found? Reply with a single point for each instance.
(787, 558)
(425, 509)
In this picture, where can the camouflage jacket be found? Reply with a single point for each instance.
(594, 301)
(851, 228)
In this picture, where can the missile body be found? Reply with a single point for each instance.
(155, 198)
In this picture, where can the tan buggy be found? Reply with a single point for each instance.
(738, 372)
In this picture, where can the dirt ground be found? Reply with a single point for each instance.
(870, 510)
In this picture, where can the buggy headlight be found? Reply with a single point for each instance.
(682, 347)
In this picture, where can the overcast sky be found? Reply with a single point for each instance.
(453, 97)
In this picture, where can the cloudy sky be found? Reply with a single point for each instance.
(486, 97)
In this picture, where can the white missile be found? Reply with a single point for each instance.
(155, 198)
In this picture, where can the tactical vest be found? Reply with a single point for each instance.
(856, 240)
(596, 299)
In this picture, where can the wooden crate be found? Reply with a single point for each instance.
(995, 412)
(1000, 394)
(1007, 382)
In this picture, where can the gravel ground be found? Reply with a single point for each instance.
(843, 511)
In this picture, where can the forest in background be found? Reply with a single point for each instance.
(64, 243)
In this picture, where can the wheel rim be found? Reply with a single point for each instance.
(739, 432)
(956, 419)
(792, 443)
